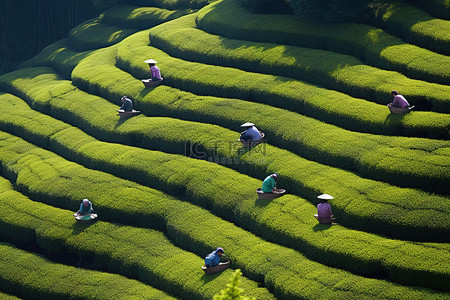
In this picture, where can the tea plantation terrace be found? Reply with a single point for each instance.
(322, 105)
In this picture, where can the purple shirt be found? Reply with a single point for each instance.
(155, 72)
(324, 210)
(400, 101)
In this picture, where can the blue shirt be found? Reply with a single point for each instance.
(213, 259)
(127, 105)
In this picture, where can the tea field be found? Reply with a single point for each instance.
(172, 184)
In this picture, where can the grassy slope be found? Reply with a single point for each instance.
(75, 145)
(93, 81)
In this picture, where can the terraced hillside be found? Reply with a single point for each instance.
(172, 184)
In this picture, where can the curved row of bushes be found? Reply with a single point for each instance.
(407, 208)
(101, 122)
(419, 124)
(116, 24)
(439, 8)
(8, 297)
(372, 156)
(413, 24)
(231, 196)
(93, 34)
(334, 71)
(140, 253)
(371, 44)
(431, 168)
(139, 17)
(31, 276)
(33, 169)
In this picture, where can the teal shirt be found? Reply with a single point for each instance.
(268, 184)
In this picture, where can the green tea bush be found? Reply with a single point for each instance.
(31, 276)
(144, 254)
(330, 11)
(141, 248)
(139, 17)
(168, 136)
(318, 141)
(413, 24)
(334, 71)
(309, 100)
(431, 168)
(59, 57)
(93, 34)
(184, 177)
(438, 8)
(370, 44)
(172, 4)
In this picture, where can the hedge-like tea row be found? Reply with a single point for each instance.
(422, 124)
(139, 17)
(8, 297)
(171, 4)
(164, 134)
(49, 178)
(418, 27)
(438, 8)
(297, 231)
(59, 57)
(325, 143)
(92, 34)
(144, 254)
(31, 276)
(372, 156)
(371, 44)
(180, 39)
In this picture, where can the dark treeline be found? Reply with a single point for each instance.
(27, 26)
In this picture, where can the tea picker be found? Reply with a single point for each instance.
(324, 214)
(86, 212)
(156, 78)
(126, 110)
(269, 189)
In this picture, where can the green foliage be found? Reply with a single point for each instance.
(181, 40)
(59, 57)
(140, 253)
(412, 24)
(331, 11)
(162, 102)
(139, 17)
(372, 45)
(268, 6)
(21, 273)
(147, 254)
(310, 138)
(232, 291)
(93, 34)
(438, 8)
(185, 178)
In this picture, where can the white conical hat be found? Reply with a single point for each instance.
(325, 197)
(151, 61)
(247, 124)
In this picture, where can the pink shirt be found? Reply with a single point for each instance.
(400, 101)
(155, 72)
(324, 210)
